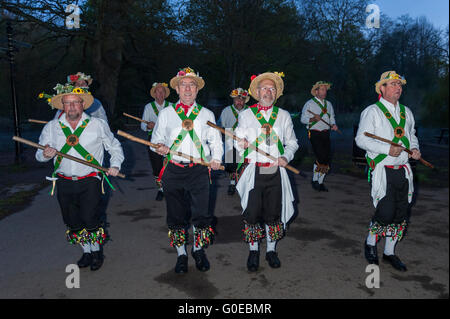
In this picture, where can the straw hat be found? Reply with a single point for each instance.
(155, 85)
(386, 77)
(319, 84)
(276, 77)
(187, 73)
(68, 89)
(72, 78)
(240, 92)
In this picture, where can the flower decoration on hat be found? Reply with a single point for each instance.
(240, 92)
(63, 89)
(280, 74)
(187, 72)
(162, 84)
(388, 76)
(72, 78)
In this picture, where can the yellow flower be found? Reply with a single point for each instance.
(78, 90)
(41, 95)
(49, 100)
(280, 74)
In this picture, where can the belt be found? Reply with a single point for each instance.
(395, 166)
(181, 164)
(77, 178)
(260, 164)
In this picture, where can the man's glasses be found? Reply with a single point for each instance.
(265, 89)
(76, 103)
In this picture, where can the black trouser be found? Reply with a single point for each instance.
(264, 200)
(393, 207)
(186, 190)
(155, 159)
(320, 142)
(79, 202)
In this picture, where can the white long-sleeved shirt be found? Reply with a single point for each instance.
(95, 110)
(375, 122)
(168, 127)
(149, 114)
(227, 120)
(250, 128)
(95, 138)
(312, 106)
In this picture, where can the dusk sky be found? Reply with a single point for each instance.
(436, 11)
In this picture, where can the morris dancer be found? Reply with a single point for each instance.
(314, 110)
(159, 92)
(229, 120)
(79, 186)
(389, 170)
(264, 187)
(187, 185)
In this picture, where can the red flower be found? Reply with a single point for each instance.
(181, 73)
(73, 78)
(252, 77)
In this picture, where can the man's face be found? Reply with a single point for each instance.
(81, 84)
(322, 92)
(187, 90)
(267, 92)
(73, 106)
(160, 94)
(392, 90)
(239, 102)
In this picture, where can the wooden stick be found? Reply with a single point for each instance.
(73, 158)
(136, 118)
(424, 162)
(145, 142)
(338, 130)
(251, 146)
(37, 121)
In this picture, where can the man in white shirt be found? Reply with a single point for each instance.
(159, 92)
(389, 170)
(79, 186)
(229, 120)
(314, 111)
(264, 187)
(81, 80)
(183, 127)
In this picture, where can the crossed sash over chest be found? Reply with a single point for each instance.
(267, 133)
(399, 134)
(73, 140)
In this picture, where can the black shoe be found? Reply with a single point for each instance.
(231, 190)
(395, 262)
(159, 196)
(97, 260)
(322, 188)
(182, 264)
(253, 261)
(272, 259)
(201, 262)
(85, 260)
(315, 185)
(371, 253)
